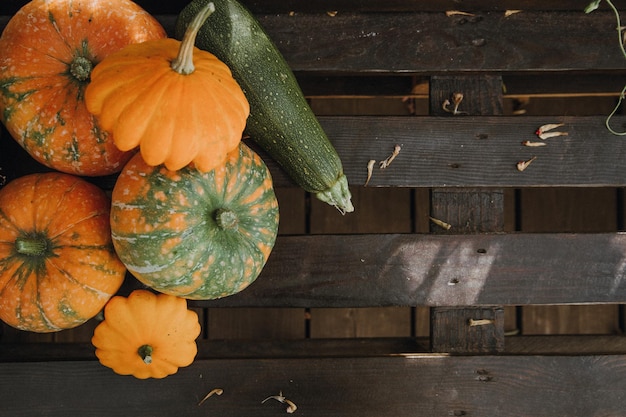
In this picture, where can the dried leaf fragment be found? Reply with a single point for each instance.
(370, 170)
(396, 150)
(216, 391)
(458, 13)
(522, 165)
(508, 13)
(291, 407)
(440, 223)
(533, 144)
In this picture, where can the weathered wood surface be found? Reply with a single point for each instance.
(432, 43)
(327, 348)
(412, 385)
(442, 270)
(323, 6)
(450, 152)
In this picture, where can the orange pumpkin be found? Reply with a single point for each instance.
(177, 103)
(147, 335)
(47, 51)
(57, 263)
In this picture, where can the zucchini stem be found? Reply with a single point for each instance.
(338, 195)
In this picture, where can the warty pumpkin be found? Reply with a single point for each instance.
(192, 234)
(57, 264)
(47, 51)
(177, 103)
(146, 335)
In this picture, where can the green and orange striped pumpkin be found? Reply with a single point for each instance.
(192, 234)
(58, 267)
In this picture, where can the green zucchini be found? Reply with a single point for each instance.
(281, 122)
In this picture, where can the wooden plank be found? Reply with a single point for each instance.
(430, 43)
(411, 385)
(569, 210)
(468, 330)
(448, 152)
(467, 210)
(326, 348)
(447, 270)
(427, 43)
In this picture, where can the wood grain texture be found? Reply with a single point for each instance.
(432, 43)
(447, 152)
(323, 6)
(443, 270)
(413, 385)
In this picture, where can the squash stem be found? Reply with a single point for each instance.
(145, 352)
(225, 218)
(183, 63)
(80, 68)
(31, 246)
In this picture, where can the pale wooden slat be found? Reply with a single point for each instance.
(413, 385)
(446, 270)
(475, 151)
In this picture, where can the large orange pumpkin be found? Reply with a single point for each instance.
(47, 51)
(57, 263)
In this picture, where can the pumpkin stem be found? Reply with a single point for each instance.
(145, 351)
(31, 245)
(225, 218)
(80, 68)
(183, 63)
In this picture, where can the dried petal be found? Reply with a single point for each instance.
(522, 165)
(548, 127)
(549, 135)
(370, 169)
(440, 223)
(508, 13)
(458, 12)
(530, 143)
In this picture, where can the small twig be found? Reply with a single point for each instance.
(216, 391)
(396, 150)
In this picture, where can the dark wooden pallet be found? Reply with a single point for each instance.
(459, 169)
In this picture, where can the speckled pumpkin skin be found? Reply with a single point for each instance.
(76, 270)
(165, 230)
(46, 52)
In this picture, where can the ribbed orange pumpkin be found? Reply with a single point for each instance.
(57, 264)
(179, 104)
(47, 51)
(147, 335)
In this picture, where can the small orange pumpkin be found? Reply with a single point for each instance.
(147, 335)
(57, 263)
(179, 104)
(47, 51)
